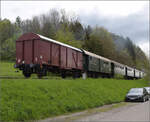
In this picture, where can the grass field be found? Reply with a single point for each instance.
(7, 69)
(33, 99)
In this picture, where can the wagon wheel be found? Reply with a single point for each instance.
(27, 72)
(63, 74)
(41, 72)
(75, 74)
(78, 74)
(27, 75)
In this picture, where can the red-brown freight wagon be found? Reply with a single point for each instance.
(39, 54)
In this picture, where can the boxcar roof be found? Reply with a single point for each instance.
(57, 42)
(96, 56)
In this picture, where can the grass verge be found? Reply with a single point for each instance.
(34, 99)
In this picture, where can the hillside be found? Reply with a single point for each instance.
(119, 41)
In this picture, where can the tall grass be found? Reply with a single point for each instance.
(32, 99)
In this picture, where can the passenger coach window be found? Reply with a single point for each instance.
(105, 62)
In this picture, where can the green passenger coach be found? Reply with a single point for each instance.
(95, 63)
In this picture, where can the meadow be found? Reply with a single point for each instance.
(33, 99)
(7, 69)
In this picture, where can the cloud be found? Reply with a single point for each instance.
(135, 26)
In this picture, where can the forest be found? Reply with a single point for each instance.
(60, 26)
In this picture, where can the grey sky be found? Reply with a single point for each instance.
(126, 18)
(134, 25)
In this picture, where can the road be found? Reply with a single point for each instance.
(137, 112)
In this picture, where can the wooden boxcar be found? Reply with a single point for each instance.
(39, 54)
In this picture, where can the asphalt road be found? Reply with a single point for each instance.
(136, 112)
(130, 112)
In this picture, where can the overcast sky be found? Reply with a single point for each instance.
(126, 18)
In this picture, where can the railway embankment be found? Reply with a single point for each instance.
(33, 99)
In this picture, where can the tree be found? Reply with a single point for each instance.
(26, 26)
(88, 31)
(18, 22)
(101, 43)
(66, 36)
(35, 25)
(54, 16)
(8, 35)
(7, 50)
(77, 30)
(130, 47)
(142, 61)
(6, 30)
(124, 58)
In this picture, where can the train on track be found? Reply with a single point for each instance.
(38, 54)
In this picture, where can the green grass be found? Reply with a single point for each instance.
(7, 69)
(25, 99)
(33, 99)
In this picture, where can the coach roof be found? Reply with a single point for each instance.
(96, 56)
